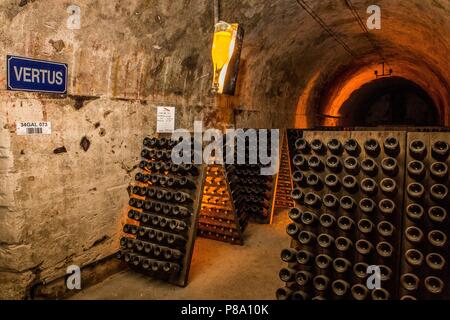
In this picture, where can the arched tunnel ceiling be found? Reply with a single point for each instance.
(289, 59)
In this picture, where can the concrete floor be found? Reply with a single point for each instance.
(218, 271)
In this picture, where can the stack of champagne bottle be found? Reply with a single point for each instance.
(425, 270)
(219, 219)
(162, 214)
(369, 205)
(347, 187)
(253, 192)
(283, 189)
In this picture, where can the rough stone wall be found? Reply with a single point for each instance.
(58, 209)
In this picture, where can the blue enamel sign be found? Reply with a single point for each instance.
(25, 74)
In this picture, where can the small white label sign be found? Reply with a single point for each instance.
(165, 120)
(30, 128)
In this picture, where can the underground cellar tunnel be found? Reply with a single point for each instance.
(304, 65)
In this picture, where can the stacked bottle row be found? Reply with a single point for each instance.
(283, 189)
(425, 270)
(253, 192)
(218, 217)
(348, 187)
(163, 207)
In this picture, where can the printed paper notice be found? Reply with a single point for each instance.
(165, 120)
(31, 128)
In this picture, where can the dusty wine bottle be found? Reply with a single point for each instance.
(325, 240)
(287, 274)
(298, 195)
(385, 249)
(439, 171)
(440, 150)
(351, 165)
(410, 281)
(435, 261)
(387, 206)
(439, 193)
(302, 146)
(417, 149)
(437, 238)
(317, 146)
(295, 214)
(391, 146)
(327, 220)
(340, 288)
(300, 162)
(437, 214)
(347, 203)
(314, 181)
(289, 255)
(369, 167)
(332, 181)
(309, 218)
(335, 146)
(176, 240)
(360, 270)
(321, 283)
(350, 183)
(367, 206)
(313, 200)
(315, 163)
(323, 261)
(360, 292)
(416, 169)
(352, 147)
(341, 265)
(365, 226)
(343, 244)
(414, 235)
(390, 167)
(415, 212)
(416, 191)
(345, 223)
(385, 229)
(333, 164)
(380, 294)
(284, 293)
(414, 258)
(292, 230)
(306, 238)
(389, 186)
(303, 278)
(305, 257)
(330, 201)
(364, 247)
(372, 147)
(434, 285)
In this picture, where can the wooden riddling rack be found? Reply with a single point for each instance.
(219, 219)
(256, 191)
(163, 213)
(425, 271)
(411, 269)
(283, 189)
(333, 210)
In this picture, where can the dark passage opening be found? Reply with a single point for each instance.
(390, 101)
